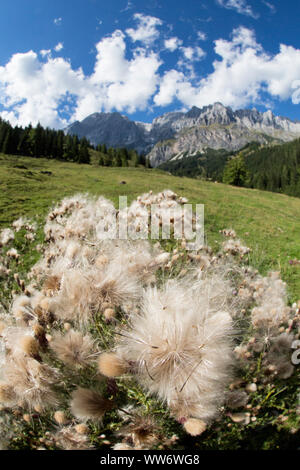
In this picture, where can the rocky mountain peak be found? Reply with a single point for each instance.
(180, 133)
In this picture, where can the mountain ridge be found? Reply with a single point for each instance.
(176, 134)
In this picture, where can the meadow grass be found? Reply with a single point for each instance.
(269, 223)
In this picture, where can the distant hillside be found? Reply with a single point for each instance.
(273, 168)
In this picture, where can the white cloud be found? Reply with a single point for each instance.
(271, 7)
(33, 90)
(172, 43)
(193, 53)
(146, 31)
(45, 52)
(57, 21)
(201, 36)
(128, 7)
(117, 82)
(59, 47)
(41, 88)
(168, 87)
(240, 6)
(244, 73)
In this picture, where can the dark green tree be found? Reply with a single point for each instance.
(235, 171)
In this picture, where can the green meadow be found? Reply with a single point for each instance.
(269, 223)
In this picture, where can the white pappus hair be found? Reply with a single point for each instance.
(181, 348)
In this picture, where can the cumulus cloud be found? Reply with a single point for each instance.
(172, 43)
(146, 30)
(243, 74)
(37, 87)
(193, 53)
(59, 47)
(117, 82)
(33, 89)
(240, 6)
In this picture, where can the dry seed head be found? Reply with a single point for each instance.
(73, 348)
(38, 330)
(181, 345)
(110, 365)
(27, 418)
(32, 381)
(109, 313)
(88, 404)
(106, 305)
(142, 430)
(194, 426)
(122, 446)
(2, 327)
(7, 394)
(82, 428)
(29, 346)
(101, 260)
(52, 284)
(45, 304)
(69, 439)
(60, 417)
(251, 387)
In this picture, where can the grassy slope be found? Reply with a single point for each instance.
(269, 223)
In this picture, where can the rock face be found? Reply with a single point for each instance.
(176, 134)
(111, 129)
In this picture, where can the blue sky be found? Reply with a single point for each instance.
(63, 60)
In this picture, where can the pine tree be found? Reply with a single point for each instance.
(235, 171)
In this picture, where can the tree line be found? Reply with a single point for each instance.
(49, 143)
(43, 142)
(120, 157)
(273, 168)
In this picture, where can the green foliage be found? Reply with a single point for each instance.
(235, 171)
(119, 157)
(273, 168)
(206, 165)
(276, 168)
(39, 142)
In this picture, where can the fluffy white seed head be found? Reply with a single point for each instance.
(181, 348)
